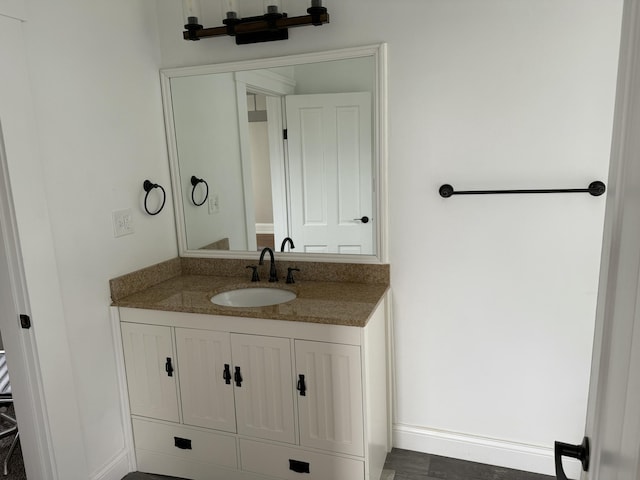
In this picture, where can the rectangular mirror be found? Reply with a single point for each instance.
(282, 148)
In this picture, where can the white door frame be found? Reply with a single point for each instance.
(274, 86)
(278, 162)
(20, 344)
(613, 416)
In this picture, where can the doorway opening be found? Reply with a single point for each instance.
(11, 460)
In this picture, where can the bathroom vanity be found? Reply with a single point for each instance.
(286, 391)
(293, 390)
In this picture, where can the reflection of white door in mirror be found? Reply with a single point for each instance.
(328, 173)
(329, 146)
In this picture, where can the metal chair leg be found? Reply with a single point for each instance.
(11, 449)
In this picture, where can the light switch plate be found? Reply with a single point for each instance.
(122, 223)
(214, 204)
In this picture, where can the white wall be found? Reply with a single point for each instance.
(32, 236)
(494, 297)
(94, 74)
(208, 141)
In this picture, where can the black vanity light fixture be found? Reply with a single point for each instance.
(272, 25)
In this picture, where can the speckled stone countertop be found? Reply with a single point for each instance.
(179, 285)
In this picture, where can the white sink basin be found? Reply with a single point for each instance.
(253, 297)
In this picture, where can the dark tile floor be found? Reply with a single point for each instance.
(147, 476)
(410, 465)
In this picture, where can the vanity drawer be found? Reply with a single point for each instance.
(290, 463)
(185, 442)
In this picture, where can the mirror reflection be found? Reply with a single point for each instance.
(271, 154)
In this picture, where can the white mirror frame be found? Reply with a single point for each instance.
(378, 52)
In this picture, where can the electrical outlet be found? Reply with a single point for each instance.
(122, 223)
(214, 204)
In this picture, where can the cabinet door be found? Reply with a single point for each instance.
(330, 396)
(264, 397)
(207, 398)
(149, 362)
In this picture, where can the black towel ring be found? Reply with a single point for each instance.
(194, 182)
(148, 186)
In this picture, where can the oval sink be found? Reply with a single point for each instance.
(253, 297)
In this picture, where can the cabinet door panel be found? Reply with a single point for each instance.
(330, 411)
(207, 401)
(264, 401)
(152, 392)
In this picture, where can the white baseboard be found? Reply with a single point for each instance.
(115, 469)
(502, 453)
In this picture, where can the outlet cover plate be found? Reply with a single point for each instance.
(122, 223)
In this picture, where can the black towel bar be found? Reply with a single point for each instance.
(595, 189)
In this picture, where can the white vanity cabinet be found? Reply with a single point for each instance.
(264, 400)
(330, 396)
(206, 388)
(149, 359)
(240, 398)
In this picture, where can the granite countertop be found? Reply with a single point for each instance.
(336, 303)
(328, 293)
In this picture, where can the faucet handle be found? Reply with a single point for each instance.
(290, 271)
(254, 275)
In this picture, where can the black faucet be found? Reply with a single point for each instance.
(284, 242)
(273, 275)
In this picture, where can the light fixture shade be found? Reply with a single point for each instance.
(191, 11)
(230, 9)
(272, 6)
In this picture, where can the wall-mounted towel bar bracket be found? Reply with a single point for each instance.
(194, 182)
(595, 189)
(148, 186)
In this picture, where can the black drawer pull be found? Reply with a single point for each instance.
(183, 443)
(237, 377)
(168, 367)
(226, 374)
(298, 466)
